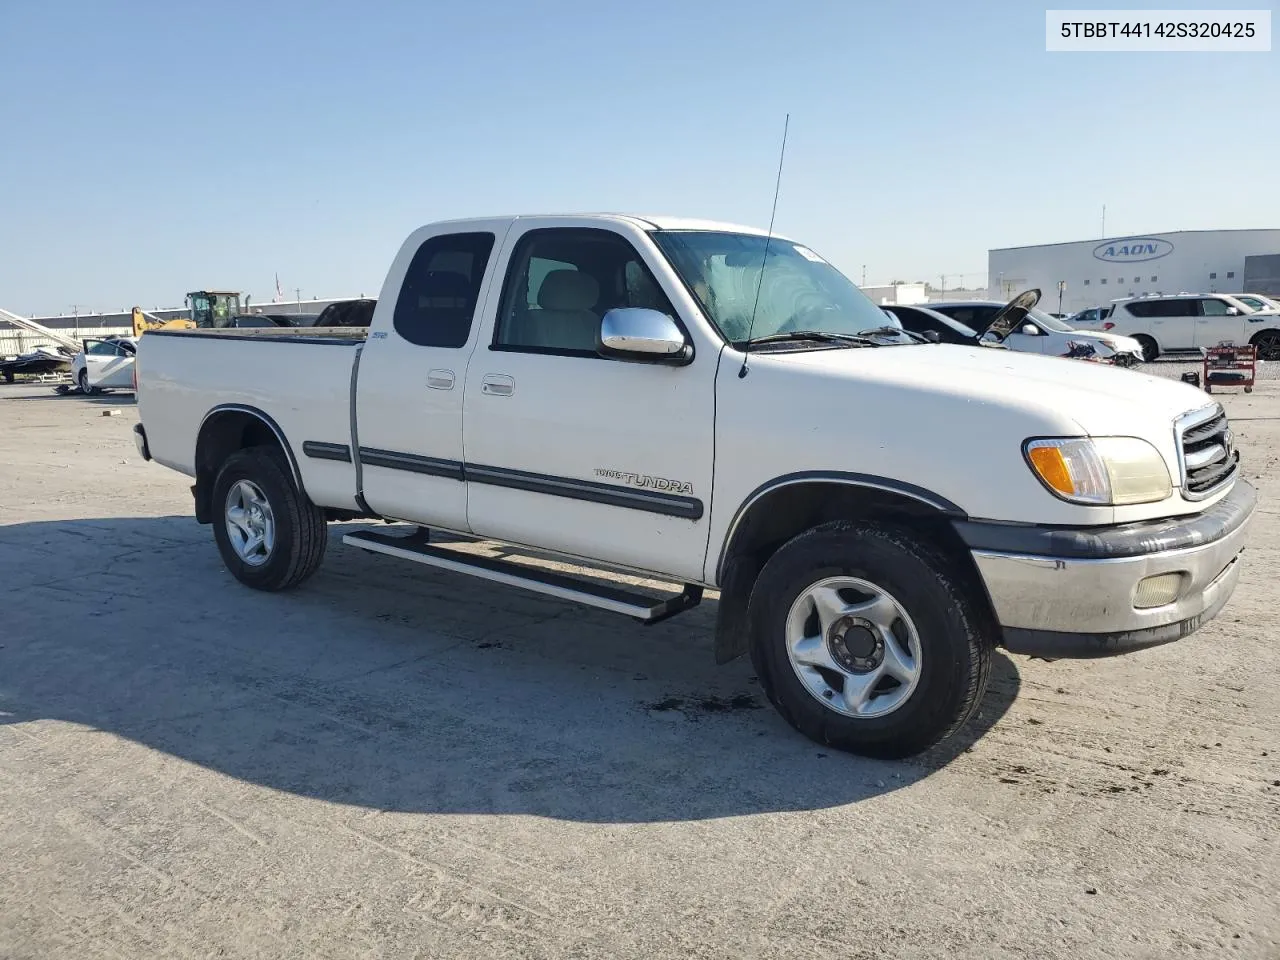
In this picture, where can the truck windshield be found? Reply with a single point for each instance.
(799, 291)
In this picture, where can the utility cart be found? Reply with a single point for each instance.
(1230, 366)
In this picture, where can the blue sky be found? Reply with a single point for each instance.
(150, 148)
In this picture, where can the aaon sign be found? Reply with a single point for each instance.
(1132, 250)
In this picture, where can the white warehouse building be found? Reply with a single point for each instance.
(1095, 272)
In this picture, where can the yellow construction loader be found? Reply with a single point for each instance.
(207, 308)
(143, 321)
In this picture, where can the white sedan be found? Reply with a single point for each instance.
(1023, 327)
(105, 364)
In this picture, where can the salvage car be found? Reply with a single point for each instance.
(920, 319)
(104, 363)
(716, 407)
(1038, 332)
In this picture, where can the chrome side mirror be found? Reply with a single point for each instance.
(1030, 330)
(1232, 312)
(642, 336)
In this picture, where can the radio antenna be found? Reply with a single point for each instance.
(777, 185)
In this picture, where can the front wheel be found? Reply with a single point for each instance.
(270, 535)
(83, 382)
(865, 640)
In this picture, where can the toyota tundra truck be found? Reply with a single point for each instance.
(716, 407)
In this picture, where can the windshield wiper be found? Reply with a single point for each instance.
(819, 336)
(888, 331)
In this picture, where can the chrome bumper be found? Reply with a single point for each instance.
(1079, 601)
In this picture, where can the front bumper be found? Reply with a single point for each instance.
(1069, 592)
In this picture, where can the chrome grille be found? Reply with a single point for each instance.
(1206, 451)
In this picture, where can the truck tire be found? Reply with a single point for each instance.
(270, 535)
(866, 640)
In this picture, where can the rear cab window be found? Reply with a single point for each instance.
(441, 288)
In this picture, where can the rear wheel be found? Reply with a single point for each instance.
(1268, 344)
(1150, 350)
(865, 640)
(270, 535)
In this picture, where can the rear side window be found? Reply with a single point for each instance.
(438, 297)
(1163, 308)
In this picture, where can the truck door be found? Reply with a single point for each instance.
(599, 458)
(409, 387)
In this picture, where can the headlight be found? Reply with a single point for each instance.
(1107, 471)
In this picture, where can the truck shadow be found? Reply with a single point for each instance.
(383, 685)
(33, 393)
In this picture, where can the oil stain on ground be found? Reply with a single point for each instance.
(696, 707)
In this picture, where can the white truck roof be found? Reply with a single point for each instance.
(644, 222)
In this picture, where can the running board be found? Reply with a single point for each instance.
(415, 547)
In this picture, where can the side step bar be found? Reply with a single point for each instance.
(647, 610)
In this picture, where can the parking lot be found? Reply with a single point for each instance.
(395, 761)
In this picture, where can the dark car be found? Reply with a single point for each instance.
(922, 320)
(264, 320)
(347, 313)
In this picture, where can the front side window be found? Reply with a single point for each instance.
(1214, 308)
(561, 282)
(796, 289)
(101, 348)
(441, 287)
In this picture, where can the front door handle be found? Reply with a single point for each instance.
(440, 379)
(497, 385)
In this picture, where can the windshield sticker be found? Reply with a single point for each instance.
(809, 254)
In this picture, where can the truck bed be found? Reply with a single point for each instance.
(291, 334)
(299, 379)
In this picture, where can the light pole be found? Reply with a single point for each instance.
(1062, 285)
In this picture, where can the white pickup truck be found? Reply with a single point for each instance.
(712, 406)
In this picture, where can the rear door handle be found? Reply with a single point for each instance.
(497, 385)
(440, 379)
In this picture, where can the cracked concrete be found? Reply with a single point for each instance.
(400, 762)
